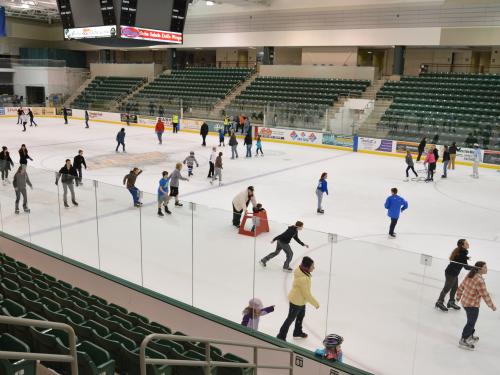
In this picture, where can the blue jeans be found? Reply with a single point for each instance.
(135, 194)
(249, 151)
(234, 152)
(472, 315)
(445, 168)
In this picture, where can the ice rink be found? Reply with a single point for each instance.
(374, 291)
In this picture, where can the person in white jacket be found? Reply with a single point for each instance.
(240, 203)
(211, 161)
(476, 161)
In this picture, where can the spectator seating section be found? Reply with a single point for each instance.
(103, 90)
(449, 107)
(196, 87)
(108, 336)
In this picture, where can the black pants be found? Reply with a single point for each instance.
(211, 170)
(451, 286)
(393, 225)
(472, 315)
(32, 122)
(118, 145)
(236, 216)
(297, 314)
(24, 126)
(86, 123)
(174, 127)
(204, 136)
(430, 171)
(420, 152)
(411, 167)
(281, 246)
(65, 119)
(79, 179)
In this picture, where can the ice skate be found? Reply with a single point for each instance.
(440, 306)
(465, 345)
(160, 213)
(320, 211)
(473, 339)
(287, 269)
(178, 204)
(452, 305)
(27, 210)
(66, 204)
(167, 211)
(17, 211)
(406, 179)
(75, 203)
(392, 236)
(301, 335)
(263, 263)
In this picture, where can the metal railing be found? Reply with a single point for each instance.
(71, 358)
(208, 363)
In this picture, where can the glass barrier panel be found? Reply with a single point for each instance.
(167, 248)
(119, 225)
(43, 202)
(78, 221)
(223, 263)
(374, 304)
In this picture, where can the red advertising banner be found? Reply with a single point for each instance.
(131, 32)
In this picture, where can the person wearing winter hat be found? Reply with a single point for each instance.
(253, 312)
(332, 350)
(190, 161)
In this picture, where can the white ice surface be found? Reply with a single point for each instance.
(380, 298)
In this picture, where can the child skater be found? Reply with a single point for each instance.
(259, 147)
(409, 165)
(221, 138)
(332, 348)
(190, 161)
(255, 219)
(253, 312)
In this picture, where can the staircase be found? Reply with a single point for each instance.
(371, 91)
(73, 96)
(369, 127)
(216, 111)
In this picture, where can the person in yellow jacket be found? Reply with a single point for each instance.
(175, 123)
(298, 297)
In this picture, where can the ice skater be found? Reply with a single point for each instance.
(159, 129)
(299, 296)
(87, 118)
(458, 259)
(258, 147)
(248, 142)
(23, 155)
(129, 181)
(233, 142)
(283, 243)
(241, 202)
(211, 162)
(446, 161)
(19, 182)
(65, 115)
(67, 174)
(175, 177)
(163, 196)
(430, 162)
(218, 169)
(409, 165)
(204, 133)
(253, 312)
(221, 138)
(191, 161)
(78, 162)
(332, 350)
(120, 140)
(32, 118)
(5, 164)
(321, 189)
(175, 123)
(453, 155)
(24, 120)
(421, 148)
(394, 205)
(20, 112)
(470, 292)
(476, 161)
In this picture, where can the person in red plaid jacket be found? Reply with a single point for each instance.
(470, 292)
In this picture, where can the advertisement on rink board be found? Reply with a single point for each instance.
(43, 111)
(337, 140)
(151, 120)
(271, 133)
(2, 111)
(373, 144)
(491, 157)
(132, 119)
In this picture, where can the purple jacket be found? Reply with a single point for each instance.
(251, 321)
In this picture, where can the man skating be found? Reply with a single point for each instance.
(129, 181)
(394, 205)
(87, 118)
(283, 243)
(211, 162)
(120, 139)
(218, 169)
(65, 115)
(175, 177)
(476, 161)
(78, 161)
(19, 182)
(67, 174)
(299, 296)
(32, 118)
(241, 202)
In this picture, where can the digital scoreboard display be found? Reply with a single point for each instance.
(123, 22)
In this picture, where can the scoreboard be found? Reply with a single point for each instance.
(118, 22)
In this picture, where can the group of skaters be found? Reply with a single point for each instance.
(25, 115)
(449, 155)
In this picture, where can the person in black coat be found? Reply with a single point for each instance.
(23, 155)
(204, 133)
(421, 148)
(67, 174)
(446, 161)
(65, 115)
(436, 154)
(458, 260)
(32, 118)
(283, 243)
(5, 164)
(78, 161)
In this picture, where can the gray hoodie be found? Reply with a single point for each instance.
(175, 177)
(20, 180)
(409, 160)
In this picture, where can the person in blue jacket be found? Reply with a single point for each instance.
(320, 190)
(120, 139)
(394, 205)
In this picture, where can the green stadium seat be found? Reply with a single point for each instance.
(10, 343)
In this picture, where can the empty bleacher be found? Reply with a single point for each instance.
(449, 107)
(108, 335)
(103, 90)
(293, 100)
(196, 87)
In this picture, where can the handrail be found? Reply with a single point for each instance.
(71, 358)
(208, 363)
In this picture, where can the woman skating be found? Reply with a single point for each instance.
(430, 161)
(458, 260)
(470, 292)
(321, 189)
(23, 155)
(409, 165)
(233, 142)
(5, 164)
